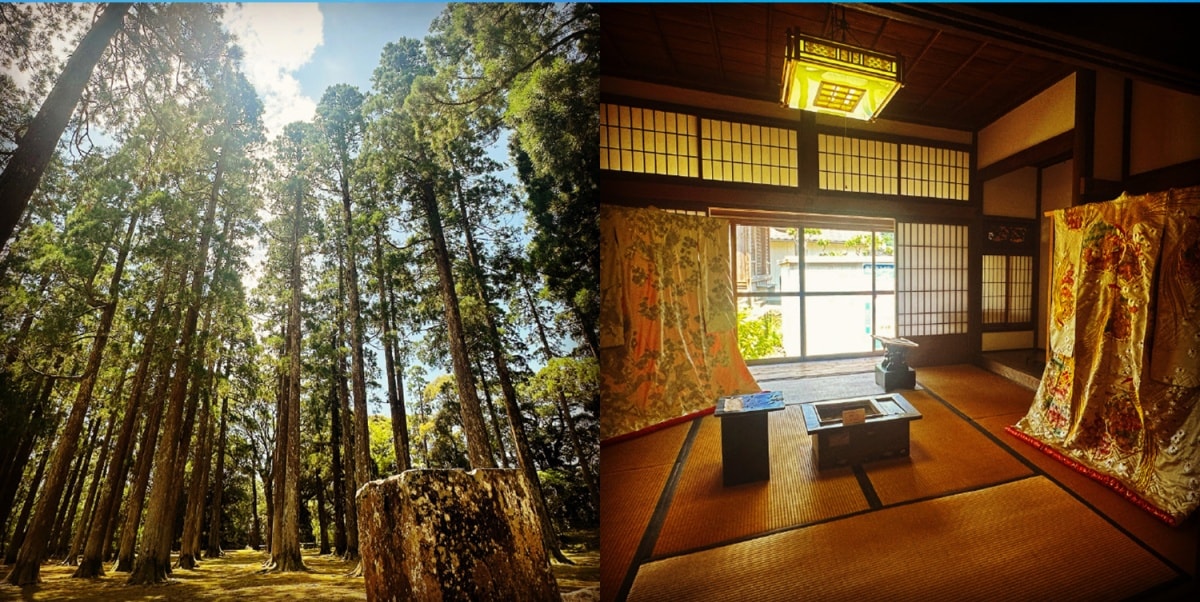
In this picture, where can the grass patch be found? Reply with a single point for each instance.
(234, 576)
(583, 548)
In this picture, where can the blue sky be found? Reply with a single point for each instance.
(294, 51)
(355, 34)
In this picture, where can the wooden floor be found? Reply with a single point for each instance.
(680, 512)
(810, 368)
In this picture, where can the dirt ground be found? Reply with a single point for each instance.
(236, 576)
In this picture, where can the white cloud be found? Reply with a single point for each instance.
(277, 39)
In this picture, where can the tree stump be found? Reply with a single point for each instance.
(452, 535)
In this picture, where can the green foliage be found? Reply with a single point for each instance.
(536, 68)
(760, 337)
(861, 243)
(439, 430)
(186, 128)
(383, 453)
(567, 499)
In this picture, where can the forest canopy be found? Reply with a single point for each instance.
(211, 337)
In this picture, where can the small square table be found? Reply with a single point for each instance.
(745, 438)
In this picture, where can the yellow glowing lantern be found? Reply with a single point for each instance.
(838, 78)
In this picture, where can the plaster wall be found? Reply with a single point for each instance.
(1040, 118)
(1165, 128)
(1013, 194)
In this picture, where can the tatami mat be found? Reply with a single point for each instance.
(946, 454)
(975, 391)
(1177, 544)
(653, 449)
(1024, 540)
(703, 512)
(633, 475)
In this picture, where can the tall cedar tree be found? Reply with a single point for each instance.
(27, 567)
(28, 162)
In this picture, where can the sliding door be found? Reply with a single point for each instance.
(810, 289)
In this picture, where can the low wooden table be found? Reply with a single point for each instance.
(745, 438)
(859, 429)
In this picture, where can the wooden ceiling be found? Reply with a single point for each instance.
(964, 65)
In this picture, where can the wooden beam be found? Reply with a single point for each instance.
(1084, 149)
(1049, 152)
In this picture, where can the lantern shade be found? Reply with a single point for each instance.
(836, 78)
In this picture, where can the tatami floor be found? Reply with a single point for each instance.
(971, 513)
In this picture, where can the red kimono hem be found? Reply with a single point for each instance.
(1104, 479)
(656, 427)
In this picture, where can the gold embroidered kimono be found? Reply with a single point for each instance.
(1118, 399)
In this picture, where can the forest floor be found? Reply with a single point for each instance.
(237, 576)
(583, 548)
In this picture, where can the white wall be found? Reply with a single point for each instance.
(1013, 194)
(1165, 128)
(1039, 119)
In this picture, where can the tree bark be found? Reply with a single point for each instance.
(349, 457)
(28, 565)
(564, 408)
(28, 162)
(151, 565)
(213, 550)
(362, 453)
(10, 555)
(269, 497)
(193, 514)
(479, 450)
(395, 393)
(145, 461)
(286, 557)
(587, 328)
(335, 444)
(84, 525)
(322, 516)
(61, 532)
(491, 408)
(278, 457)
(406, 440)
(17, 468)
(183, 444)
(255, 529)
(92, 565)
(516, 422)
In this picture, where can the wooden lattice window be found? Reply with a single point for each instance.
(744, 152)
(931, 171)
(931, 279)
(857, 164)
(648, 141)
(1008, 267)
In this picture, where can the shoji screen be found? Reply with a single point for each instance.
(931, 279)
(647, 141)
(1007, 289)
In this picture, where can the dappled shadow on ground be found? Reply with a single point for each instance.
(238, 576)
(583, 548)
(235, 576)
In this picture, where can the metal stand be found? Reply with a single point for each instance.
(893, 372)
